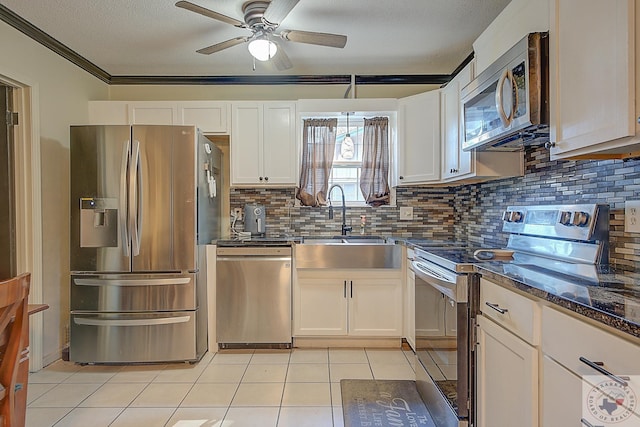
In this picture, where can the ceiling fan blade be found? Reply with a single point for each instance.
(221, 46)
(210, 13)
(278, 10)
(322, 39)
(281, 60)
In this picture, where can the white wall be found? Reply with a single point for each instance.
(61, 91)
(258, 92)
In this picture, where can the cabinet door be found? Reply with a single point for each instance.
(152, 113)
(208, 116)
(561, 396)
(279, 152)
(320, 306)
(246, 143)
(410, 309)
(419, 138)
(591, 63)
(449, 105)
(507, 378)
(429, 320)
(375, 307)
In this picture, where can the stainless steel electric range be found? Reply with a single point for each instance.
(545, 243)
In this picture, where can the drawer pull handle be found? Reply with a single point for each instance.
(497, 308)
(598, 367)
(586, 423)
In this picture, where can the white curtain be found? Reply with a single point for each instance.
(318, 147)
(374, 178)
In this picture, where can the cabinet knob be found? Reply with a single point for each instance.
(401, 177)
(260, 178)
(266, 178)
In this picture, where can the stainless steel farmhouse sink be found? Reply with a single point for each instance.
(347, 252)
(375, 240)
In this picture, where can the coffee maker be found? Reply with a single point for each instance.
(254, 219)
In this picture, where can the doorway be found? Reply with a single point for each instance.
(8, 264)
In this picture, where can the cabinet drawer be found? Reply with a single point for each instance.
(513, 311)
(566, 339)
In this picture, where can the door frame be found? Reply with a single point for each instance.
(28, 202)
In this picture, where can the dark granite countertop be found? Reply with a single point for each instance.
(613, 299)
(257, 242)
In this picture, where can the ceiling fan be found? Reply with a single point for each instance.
(263, 19)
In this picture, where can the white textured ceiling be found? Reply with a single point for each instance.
(155, 38)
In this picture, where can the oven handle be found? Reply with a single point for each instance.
(435, 278)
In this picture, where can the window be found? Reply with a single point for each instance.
(347, 163)
(346, 169)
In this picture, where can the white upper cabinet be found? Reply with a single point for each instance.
(263, 148)
(152, 113)
(418, 146)
(517, 19)
(455, 162)
(211, 117)
(592, 62)
(458, 165)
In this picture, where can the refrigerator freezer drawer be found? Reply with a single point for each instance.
(130, 338)
(133, 293)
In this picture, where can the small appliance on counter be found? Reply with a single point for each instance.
(254, 219)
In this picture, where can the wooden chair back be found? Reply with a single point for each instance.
(13, 317)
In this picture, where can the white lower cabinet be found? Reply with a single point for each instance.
(568, 342)
(507, 381)
(561, 396)
(347, 303)
(507, 358)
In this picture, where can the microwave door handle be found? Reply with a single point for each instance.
(506, 120)
(123, 218)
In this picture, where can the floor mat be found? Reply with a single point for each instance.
(383, 403)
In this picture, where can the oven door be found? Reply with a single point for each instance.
(443, 376)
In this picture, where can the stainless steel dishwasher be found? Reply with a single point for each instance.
(253, 297)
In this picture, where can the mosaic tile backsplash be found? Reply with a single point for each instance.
(471, 212)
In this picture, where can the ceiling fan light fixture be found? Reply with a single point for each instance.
(262, 49)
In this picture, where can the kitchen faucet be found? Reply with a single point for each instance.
(345, 229)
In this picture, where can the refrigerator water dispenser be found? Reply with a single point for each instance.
(98, 223)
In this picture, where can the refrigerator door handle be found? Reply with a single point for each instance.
(132, 282)
(130, 322)
(123, 218)
(134, 201)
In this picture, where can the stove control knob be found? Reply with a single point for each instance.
(516, 216)
(580, 219)
(565, 218)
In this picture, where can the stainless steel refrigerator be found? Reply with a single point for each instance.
(144, 204)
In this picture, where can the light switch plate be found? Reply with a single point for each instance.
(406, 213)
(632, 216)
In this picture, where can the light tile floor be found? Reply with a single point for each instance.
(283, 388)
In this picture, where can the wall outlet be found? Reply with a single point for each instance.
(237, 212)
(632, 216)
(406, 213)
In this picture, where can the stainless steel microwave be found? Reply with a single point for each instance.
(505, 106)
